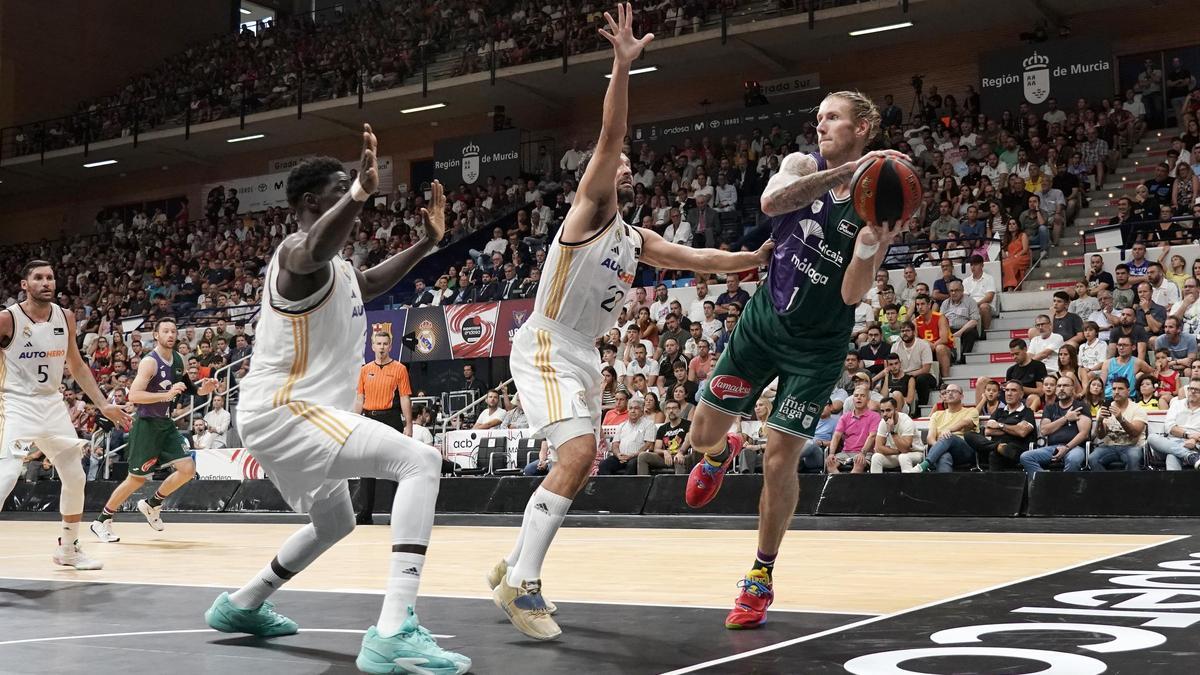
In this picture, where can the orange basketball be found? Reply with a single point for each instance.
(886, 189)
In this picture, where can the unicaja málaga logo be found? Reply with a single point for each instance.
(470, 163)
(1036, 79)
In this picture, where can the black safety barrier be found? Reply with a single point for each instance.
(602, 494)
(938, 494)
(201, 495)
(466, 495)
(738, 496)
(257, 495)
(512, 494)
(1115, 493)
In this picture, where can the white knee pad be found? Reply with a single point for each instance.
(70, 474)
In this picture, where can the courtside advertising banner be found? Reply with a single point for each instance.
(259, 193)
(468, 160)
(1064, 70)
(472, 329)
(428, 325)
(732, 123)
(227, 464)
(390, 321)
(513, 315)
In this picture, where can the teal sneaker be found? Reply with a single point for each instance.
(412, 650)
(262, 621)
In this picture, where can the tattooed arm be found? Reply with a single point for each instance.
(799, 183)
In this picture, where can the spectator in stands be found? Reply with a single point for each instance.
(1184, 190)
(492, 414)
(1015, 256)
(1124, 292)
(672, 446)
(1161, 185)
(854, 436)
(634, 436)
(812, 457)
(1181, 431)
(1097, 278)
(933, 327)
(620, 410)
(1083, 304)
(1128, 327)
(1008, 433)
(726, 333)
(898, 386)
(1034, 224)
(941, 286)
(1095, 154)
(1163, 290)
(897, 442)
(944, 224)
(1149, 314)
(907, 294)
(1044, 343)
(981, 287)
(1180, 346)
(963, 317)
(874, 352)
(218, 420)
(916, 359)
(1066, 425)
(1025, 370)
(1187, 310)
(947, 428)
(1066, 324)
(734, 294)
(1121, 431)
(203, 437)
(1124, 367)
(1167, 378)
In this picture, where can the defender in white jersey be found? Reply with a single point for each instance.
(37, 338)
(588, 272)
(294, 415)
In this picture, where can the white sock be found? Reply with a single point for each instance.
(511, 558)
(69, 534)
(540, 525)
(402, 587)
(258, 589)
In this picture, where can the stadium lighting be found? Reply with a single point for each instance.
(251, 137)
(880, 29)
(423, 108)
(635, 71)
(243, 10)
(103, 162)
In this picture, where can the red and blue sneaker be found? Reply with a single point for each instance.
(750, 609)
(705, 479)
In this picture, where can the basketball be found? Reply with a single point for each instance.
(886, 189)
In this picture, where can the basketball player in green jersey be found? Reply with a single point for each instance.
(154, 442)
(795, 328)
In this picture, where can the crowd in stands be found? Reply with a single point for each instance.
(379, 45)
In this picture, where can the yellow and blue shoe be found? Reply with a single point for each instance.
(412, 650)
(750, 609)
(500, 571)
(263, 620)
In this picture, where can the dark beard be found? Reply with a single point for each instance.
(624, 195)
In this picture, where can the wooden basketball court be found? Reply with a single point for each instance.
(634, 598)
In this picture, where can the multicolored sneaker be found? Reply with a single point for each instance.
(705, 479)
(70, 555)
(750, 608)
(526, 609)
(263, 620)
(500, 571)
(412, 650)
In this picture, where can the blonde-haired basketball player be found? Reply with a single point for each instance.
(294, 414)
(588, 272)
(38, 339)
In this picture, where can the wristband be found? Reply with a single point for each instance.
(866, 251)
(357, 193)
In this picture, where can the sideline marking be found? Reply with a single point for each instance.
(178, 632)
(856, 624)
(447, 596)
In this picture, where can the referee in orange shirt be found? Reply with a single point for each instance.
(380, 382)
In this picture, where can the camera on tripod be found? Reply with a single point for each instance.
(918, 83)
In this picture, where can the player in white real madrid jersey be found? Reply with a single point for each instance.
(38, 338)
(588, 272)
(294, 416)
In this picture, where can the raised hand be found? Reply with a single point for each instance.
(435, 216)
(368, 173)
(626, 48)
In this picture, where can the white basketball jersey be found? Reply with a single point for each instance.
(584, 284)
(311, 356)
(34, 359)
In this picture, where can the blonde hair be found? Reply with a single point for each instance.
(861, 108)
